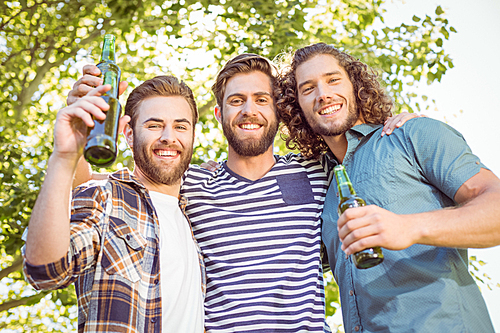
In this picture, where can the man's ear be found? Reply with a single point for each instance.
(218, 113)
(129, 135)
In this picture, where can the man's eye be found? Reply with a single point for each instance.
(153, 126)
(180, 127)
(262, 100)
(236, 101)
(307, 89)
(333, 80)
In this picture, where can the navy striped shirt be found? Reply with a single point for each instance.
(261, 244)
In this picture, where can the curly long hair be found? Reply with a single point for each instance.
(372, 101)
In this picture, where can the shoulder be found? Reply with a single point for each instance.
(428, 126)
(297, 163)
(103, 190)
(195, 172)
(90, 188)
(295, 158)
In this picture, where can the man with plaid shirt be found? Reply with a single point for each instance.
(126, 242)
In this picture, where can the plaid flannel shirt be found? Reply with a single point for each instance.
(113, 257)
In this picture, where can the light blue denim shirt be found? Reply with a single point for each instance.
(423, 288)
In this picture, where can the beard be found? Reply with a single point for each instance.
(254, 146)
(333, 129)
(160, 173)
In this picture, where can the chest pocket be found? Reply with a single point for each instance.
(295, 188)
(376, 184)
(123, 250)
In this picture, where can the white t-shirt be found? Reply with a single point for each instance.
(182, 299)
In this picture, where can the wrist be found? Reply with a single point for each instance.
(65, 163)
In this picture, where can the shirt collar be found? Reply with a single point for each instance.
(365, 129)
(358, 131)
(125, 176)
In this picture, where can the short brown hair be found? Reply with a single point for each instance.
(163, 85)
(243, 63)
(372, 101)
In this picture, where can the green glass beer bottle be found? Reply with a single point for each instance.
(100, 149)
(347, 199)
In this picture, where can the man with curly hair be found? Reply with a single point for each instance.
(429, 199)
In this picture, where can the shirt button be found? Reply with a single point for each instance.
(153, 320)
(156, 281)
(356, 328)
(127, 237)
(477, 162)
(351, 292)
(346, 256)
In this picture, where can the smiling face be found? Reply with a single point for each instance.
(248, 115)
(325, 95)
(162, 139)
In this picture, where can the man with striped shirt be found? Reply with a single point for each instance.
(257, 218)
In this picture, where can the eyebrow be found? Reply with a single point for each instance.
(323, 75)
(159, 120)
(258, 93)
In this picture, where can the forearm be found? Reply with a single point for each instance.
(49, 227)
(83, 172)
(474, 224)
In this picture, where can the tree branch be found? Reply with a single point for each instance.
(22, 301)
(14, 267)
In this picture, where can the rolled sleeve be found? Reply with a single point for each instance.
(87, 215)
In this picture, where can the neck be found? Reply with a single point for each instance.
(338, 143)
(172, 190)
(250, 167)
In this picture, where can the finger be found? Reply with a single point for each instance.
(207, 166)
(349, 214)
(390, 124)
(99, 91)
(362, 244)
(91, 69)
(84, 111)
(89, 81)
(122, 87)
(94, 105)
(214, 164)
(405, 117)
(122, 122)
(352, 224)
(82, 87)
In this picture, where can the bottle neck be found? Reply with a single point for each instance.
(108, 50)
(344, 184)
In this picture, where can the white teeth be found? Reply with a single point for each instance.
(249, 126)
(166, 152)
(330, 109)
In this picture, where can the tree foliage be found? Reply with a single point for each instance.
(43, 44)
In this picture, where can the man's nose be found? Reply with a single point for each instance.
(249, 109)
(325, 93)
(168, 136)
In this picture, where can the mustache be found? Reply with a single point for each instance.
(247, 119)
